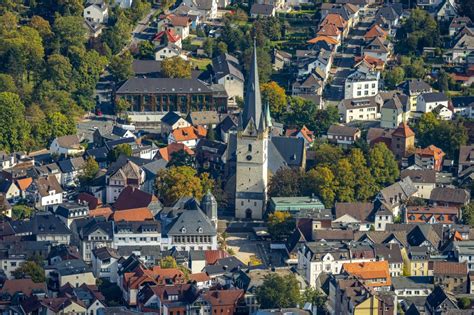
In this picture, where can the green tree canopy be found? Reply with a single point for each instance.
(383, 165)
(121, 67)
(280, 225)
(14, 129)
(286, 182)
(275, 96)
(121, 149)
(176, 67)
(30, 269)
(278, 292)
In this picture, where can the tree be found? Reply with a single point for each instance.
(321, 180)
(345, 177)
(181, 158)
(89, 169)
(166, 4)
(121, 105)
(221, 48)
(117, 36)
(327, 154)
(176, 182)
(14, 129)
(60, 125)
(395, 76)
(69, 31)
(22, 212)
(286, 182)
(7, 84)
(365, 186)
(275, 96)
(59, 71)
(383, 166)
(468, 214)
(278, 291)
(418, 31)
(146, 50)
(176, 67)
(443, 81)
(42, 26)
(313, 296)
(117, 151)
(464, 303)
(299, 113)
(30, 269)
(208, 46)
(121, 67)
(168, 262)
(280, 225)
(323, 119)
(466, 7)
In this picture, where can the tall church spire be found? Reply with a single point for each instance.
(253, 100)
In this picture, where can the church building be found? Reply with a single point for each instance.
(256, 154)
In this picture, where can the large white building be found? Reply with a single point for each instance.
(361, 84)
(436, 102)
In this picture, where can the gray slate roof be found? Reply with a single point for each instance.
(193, 222)
(162, 86)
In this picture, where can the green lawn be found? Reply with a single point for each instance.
(200, 63)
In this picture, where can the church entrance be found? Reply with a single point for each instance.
(248, 214)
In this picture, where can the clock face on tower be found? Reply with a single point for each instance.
(249, 157)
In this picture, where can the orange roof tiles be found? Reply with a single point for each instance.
(329, 30)
(336, 20)
(403, 130)
(375, 31)
(449, 268)
(327, 39)
(211, 256)
(24, 183)
(100, 212)
(170, 34)
(372, 270)
(177, 20)
(189, 133)
(431, 150)
(305, 132)
(199, 277)
(137, 214)
(166, 152)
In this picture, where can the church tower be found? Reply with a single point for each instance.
(209, 206)
(252, 151)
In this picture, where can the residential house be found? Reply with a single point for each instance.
(424, 180)
(434, 102)
(450, 197)
(416, 261)
(94, 233)
(167, 152)
(264, 10)
(133, 198)
(361, 84)
(121, 174)
(23, 287)
(353, 109)
(210, 154)
(166, 38)
(391, 14)
(330, 30)
(137, 233)
(463, 252)
(312, 85)
(207, 9)
(67, 145)
(344, 136)
(281, 59)
(430, 157)
(395, 195)
(96, 11)
(88, 295)
(414, 88)
(57, 305)
(440, 301)
(374, 274)
(172, 121)
(179, 24)
(226, 70)
(136, 214)
(105, 263)
(303, 133)
(70, 211)
(459, 23)
(394, 111)
(168, 50)
(100, 138)
(463, 106)
(465, 159)
(168, 299)
(378, 48)
(45, 191)
(451, 275)
(70, 170)
(406, 287)
(432, 215)
(207, 119)
(460, 49)
(359, 215)
(10, 190)
(188, 136)
(374, 32)
(74, 272)
(447, 11)
(5, 207)
(338, 21)
(393, 254)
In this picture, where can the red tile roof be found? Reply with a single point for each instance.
(24, 183)
(449, 268)
(166, 152)
(133, 198)
(336, 20)
(170, 34)
(329, 30)
(91, 201)
(189, 133)
(26, 286)
(403, 130)
(138, 214)
(212, 256)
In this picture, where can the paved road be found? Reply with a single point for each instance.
(142, 31)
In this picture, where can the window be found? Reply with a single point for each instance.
(250, 148)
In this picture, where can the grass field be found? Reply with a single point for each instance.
(200, 63)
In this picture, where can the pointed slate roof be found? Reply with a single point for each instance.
(253, 100)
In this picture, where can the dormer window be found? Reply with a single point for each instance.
(183, 230)
(200, 230)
